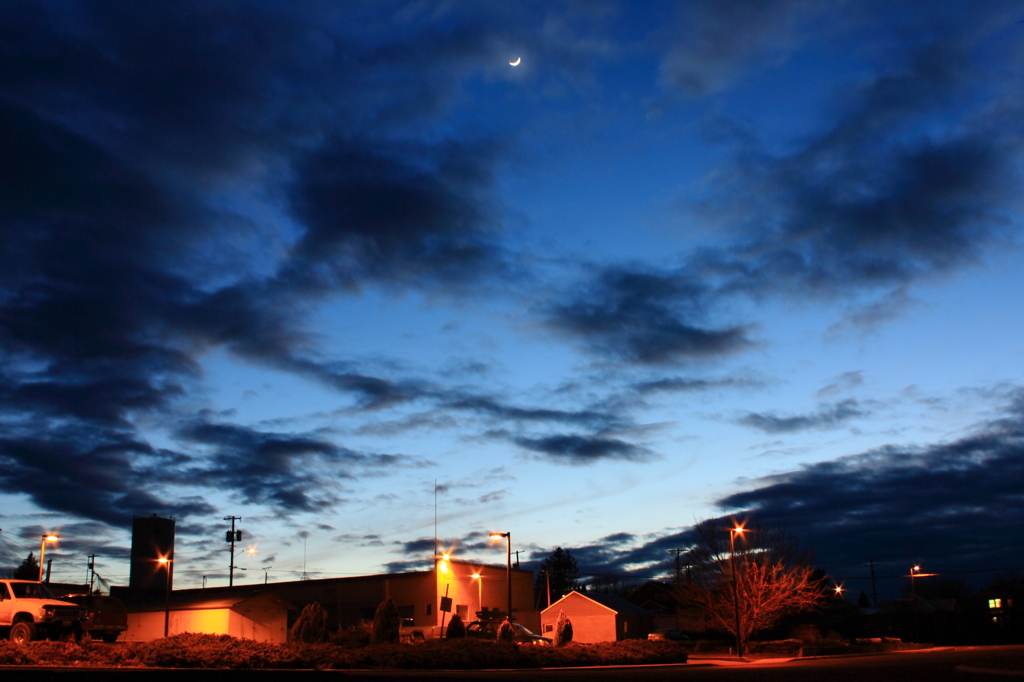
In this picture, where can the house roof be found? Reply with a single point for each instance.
(611, 602)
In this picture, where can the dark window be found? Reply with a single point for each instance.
(430, 609)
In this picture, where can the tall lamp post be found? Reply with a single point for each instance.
(167, 594)
(733, 532)
(508, 566)
(914, 570)
(50, 537)
(479, 593)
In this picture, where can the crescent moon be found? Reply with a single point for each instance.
(516, 62)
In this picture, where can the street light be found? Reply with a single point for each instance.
(167, 593)
(508, 566)
(479, 592)
(914, 570)
(733, 532)
(50, 537)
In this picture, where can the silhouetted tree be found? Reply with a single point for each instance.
(387, 623)
(311, 626)
(456, 628)
(563, 630)
(563, 573)
(28, 570)
(773, 577)
(862, 601)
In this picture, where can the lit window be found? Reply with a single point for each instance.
(995, 603)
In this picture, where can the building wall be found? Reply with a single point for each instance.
(350, 600)
(260, 623)
(591, 622)
(489, 592)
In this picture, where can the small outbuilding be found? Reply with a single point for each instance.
(261, 617)
(597, 617)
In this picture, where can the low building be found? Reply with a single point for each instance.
(597, 617)
(260, 617)
(422, 597)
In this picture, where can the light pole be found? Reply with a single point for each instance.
(50, 537)
(914, 570)
(508, 566)
(167, 594)
(733, 532)
(479, 593)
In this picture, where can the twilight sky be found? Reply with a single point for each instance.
(295, 262)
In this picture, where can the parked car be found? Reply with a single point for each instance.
(668, 635)
(106, 617)
(488, 629)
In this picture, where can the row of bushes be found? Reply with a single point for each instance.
(313, 627)
(223, 651)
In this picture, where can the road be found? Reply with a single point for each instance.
(962, 664)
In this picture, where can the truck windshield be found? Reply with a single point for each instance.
(30, 591)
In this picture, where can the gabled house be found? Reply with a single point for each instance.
(598, 617)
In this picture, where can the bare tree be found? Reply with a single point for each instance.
(760, 570)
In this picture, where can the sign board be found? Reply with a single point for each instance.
(446, 604)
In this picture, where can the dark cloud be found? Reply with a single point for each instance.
(871, 200)
(690, 385)
(582, 450)
(125, 251)
(951, 506)
(92, 476)
(828, 417)
(492, 407)
(647, 318)
(369, 216)
(288, 471)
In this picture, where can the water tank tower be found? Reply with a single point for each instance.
(152, 540)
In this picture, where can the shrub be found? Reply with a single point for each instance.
(506, 633)
(386, 623)
(311, 627)
(563, 630)
(359, 635)
(456, 629)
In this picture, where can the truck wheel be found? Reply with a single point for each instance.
(23, 633)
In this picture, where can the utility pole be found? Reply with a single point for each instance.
(677, 551)
(517, 559)
(233, 536)
(874, 591)
(92, 572)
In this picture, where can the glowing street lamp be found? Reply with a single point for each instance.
(508, 568)
(167, 593)
(50, 537)
(733, 532)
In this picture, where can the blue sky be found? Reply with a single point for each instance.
(320, 266)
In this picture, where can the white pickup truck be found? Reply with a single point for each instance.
(28, 611)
